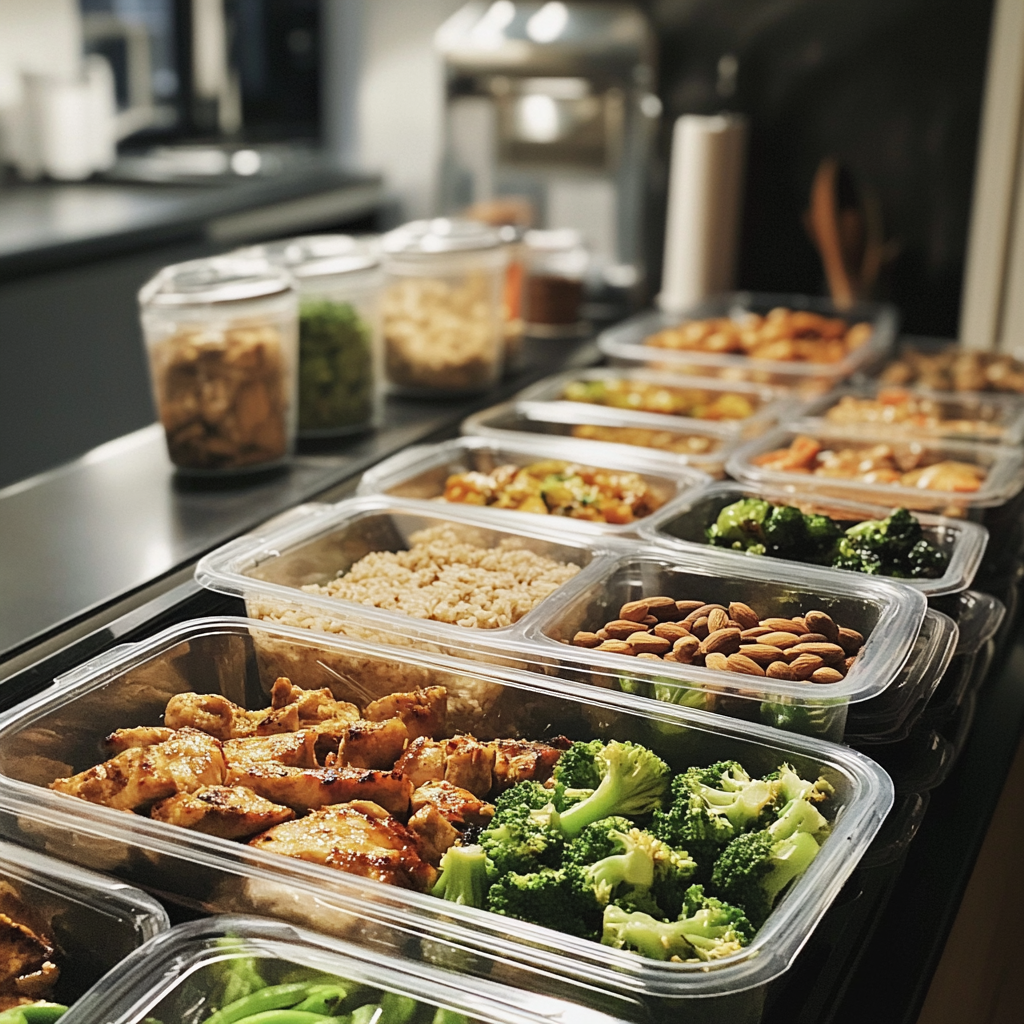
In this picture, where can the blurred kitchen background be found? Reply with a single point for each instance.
(136, 133)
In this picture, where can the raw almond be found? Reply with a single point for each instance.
(722, 641)
(649, 656)
(814, 638)
(822, 622)
(584, 639)
(662, 608)
(717, 661)
(779, 670)
(763, 654)
(634, 610)
(699, 627)
(741, 663)
(717, 619)
(826, 675)
(743, 614)
(619, 629)
(602, 634)
(754, 632)
(803, 665)
(827, 652)
(670, 656)
(649, 620)
(616, 647)
(686, 648)
(647, 643)
(671, 631)
(785, 625)
(704, 609)
(850, 640)
(685, 607)
(779, 639)
(849, 662)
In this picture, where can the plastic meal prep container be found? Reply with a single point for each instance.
(626, 343)
(1004, 467)
(94, 921)
(420, 473)
(1000, 417)
(513, 420)
(769, 404)
(178, 978)
(57, 731)
(681, 524)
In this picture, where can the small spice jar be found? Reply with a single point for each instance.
(443, 319)
(222, 339)
(556, 264)
(339, 282)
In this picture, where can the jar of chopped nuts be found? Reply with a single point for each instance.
(443, 308)
(222, 340)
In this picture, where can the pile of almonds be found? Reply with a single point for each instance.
(809, 647)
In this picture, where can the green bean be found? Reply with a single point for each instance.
(289, 1015)
(396, 1009)
(33, 1013)
(444, 1016)
(275, 997)
(369, 1013)
(323, 999)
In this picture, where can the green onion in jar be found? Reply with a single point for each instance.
(336, 382)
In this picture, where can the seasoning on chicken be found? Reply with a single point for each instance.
(141, 775)
(424, 712)
(295, 749)
(459, 806)
(313, 705)
(469, 764)
(231, 812)
(307, 789)
(423, 761)
(27, 971)
(373, 744)
(121, 740)
(434, 833)
(522, 761)
(358, 837)
(211, 713)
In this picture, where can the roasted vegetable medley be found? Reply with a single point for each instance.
(642, 396)
(894, 546)
(557, 488)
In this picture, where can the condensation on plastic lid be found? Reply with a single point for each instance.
(320, 255)
(215, 279)
(442, 234)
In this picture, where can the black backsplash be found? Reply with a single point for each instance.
(893, 88)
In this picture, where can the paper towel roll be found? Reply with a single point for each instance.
(704, 195)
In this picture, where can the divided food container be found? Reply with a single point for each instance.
(716, 399)
(420, 473)
(1004, 468)
(269, 569)
(681, 523)
(182, 977)
(627, 343)
(94, 921)
(57, 732)
(593, 428)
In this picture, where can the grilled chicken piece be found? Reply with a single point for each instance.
(357, 837)
(522, 760)
(373, 744)
(277, 720)
(295, 749)
(456, 805)
(231, 812)
(209, 712)
(423, 761)
(121, 740)
(424, 712)
(469, 764)
(25, 966)
(434, 833)
(313, 705)
(142, 775)
(306, 789)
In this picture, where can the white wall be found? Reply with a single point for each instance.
(37, 35)
(393, 124)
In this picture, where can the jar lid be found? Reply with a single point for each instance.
(215, 279)
(553, 240)
(442, 234)
(320, 255)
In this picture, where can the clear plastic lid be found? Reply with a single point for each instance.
(422, 471)
(312, 256)
(682, 522)
(1003, 469)
(899, 830)
(241, 658)
(231, 278)
(440, 235)
(193, 971)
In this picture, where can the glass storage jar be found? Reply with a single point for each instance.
(339, 282)
(443, 319)
(222, 339)
(556, 264)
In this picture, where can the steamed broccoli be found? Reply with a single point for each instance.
(785, 531)
(548, 897)
(727, 790)
(755, 867)
(689, 825)
(925, 561)
(465, 876)
(894, 546)
(822, 534)
(740, 525)
(522, 839)
(632, 780)
(807, 719)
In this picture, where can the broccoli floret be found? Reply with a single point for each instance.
(714, 928)
(689, 825)
(856, 557)
(893, 546)
(785, 532)
(727, 790)
(638, 687)
(523, 840)
(755, 867)
(740, 524)
(925, 561)
(576, 767)
(822, 531)
(806, 719)
(793, 787)
(669, 691)
(465, 876)
(799, 816)
(549, 897)
(633, 781)
(596, 841)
